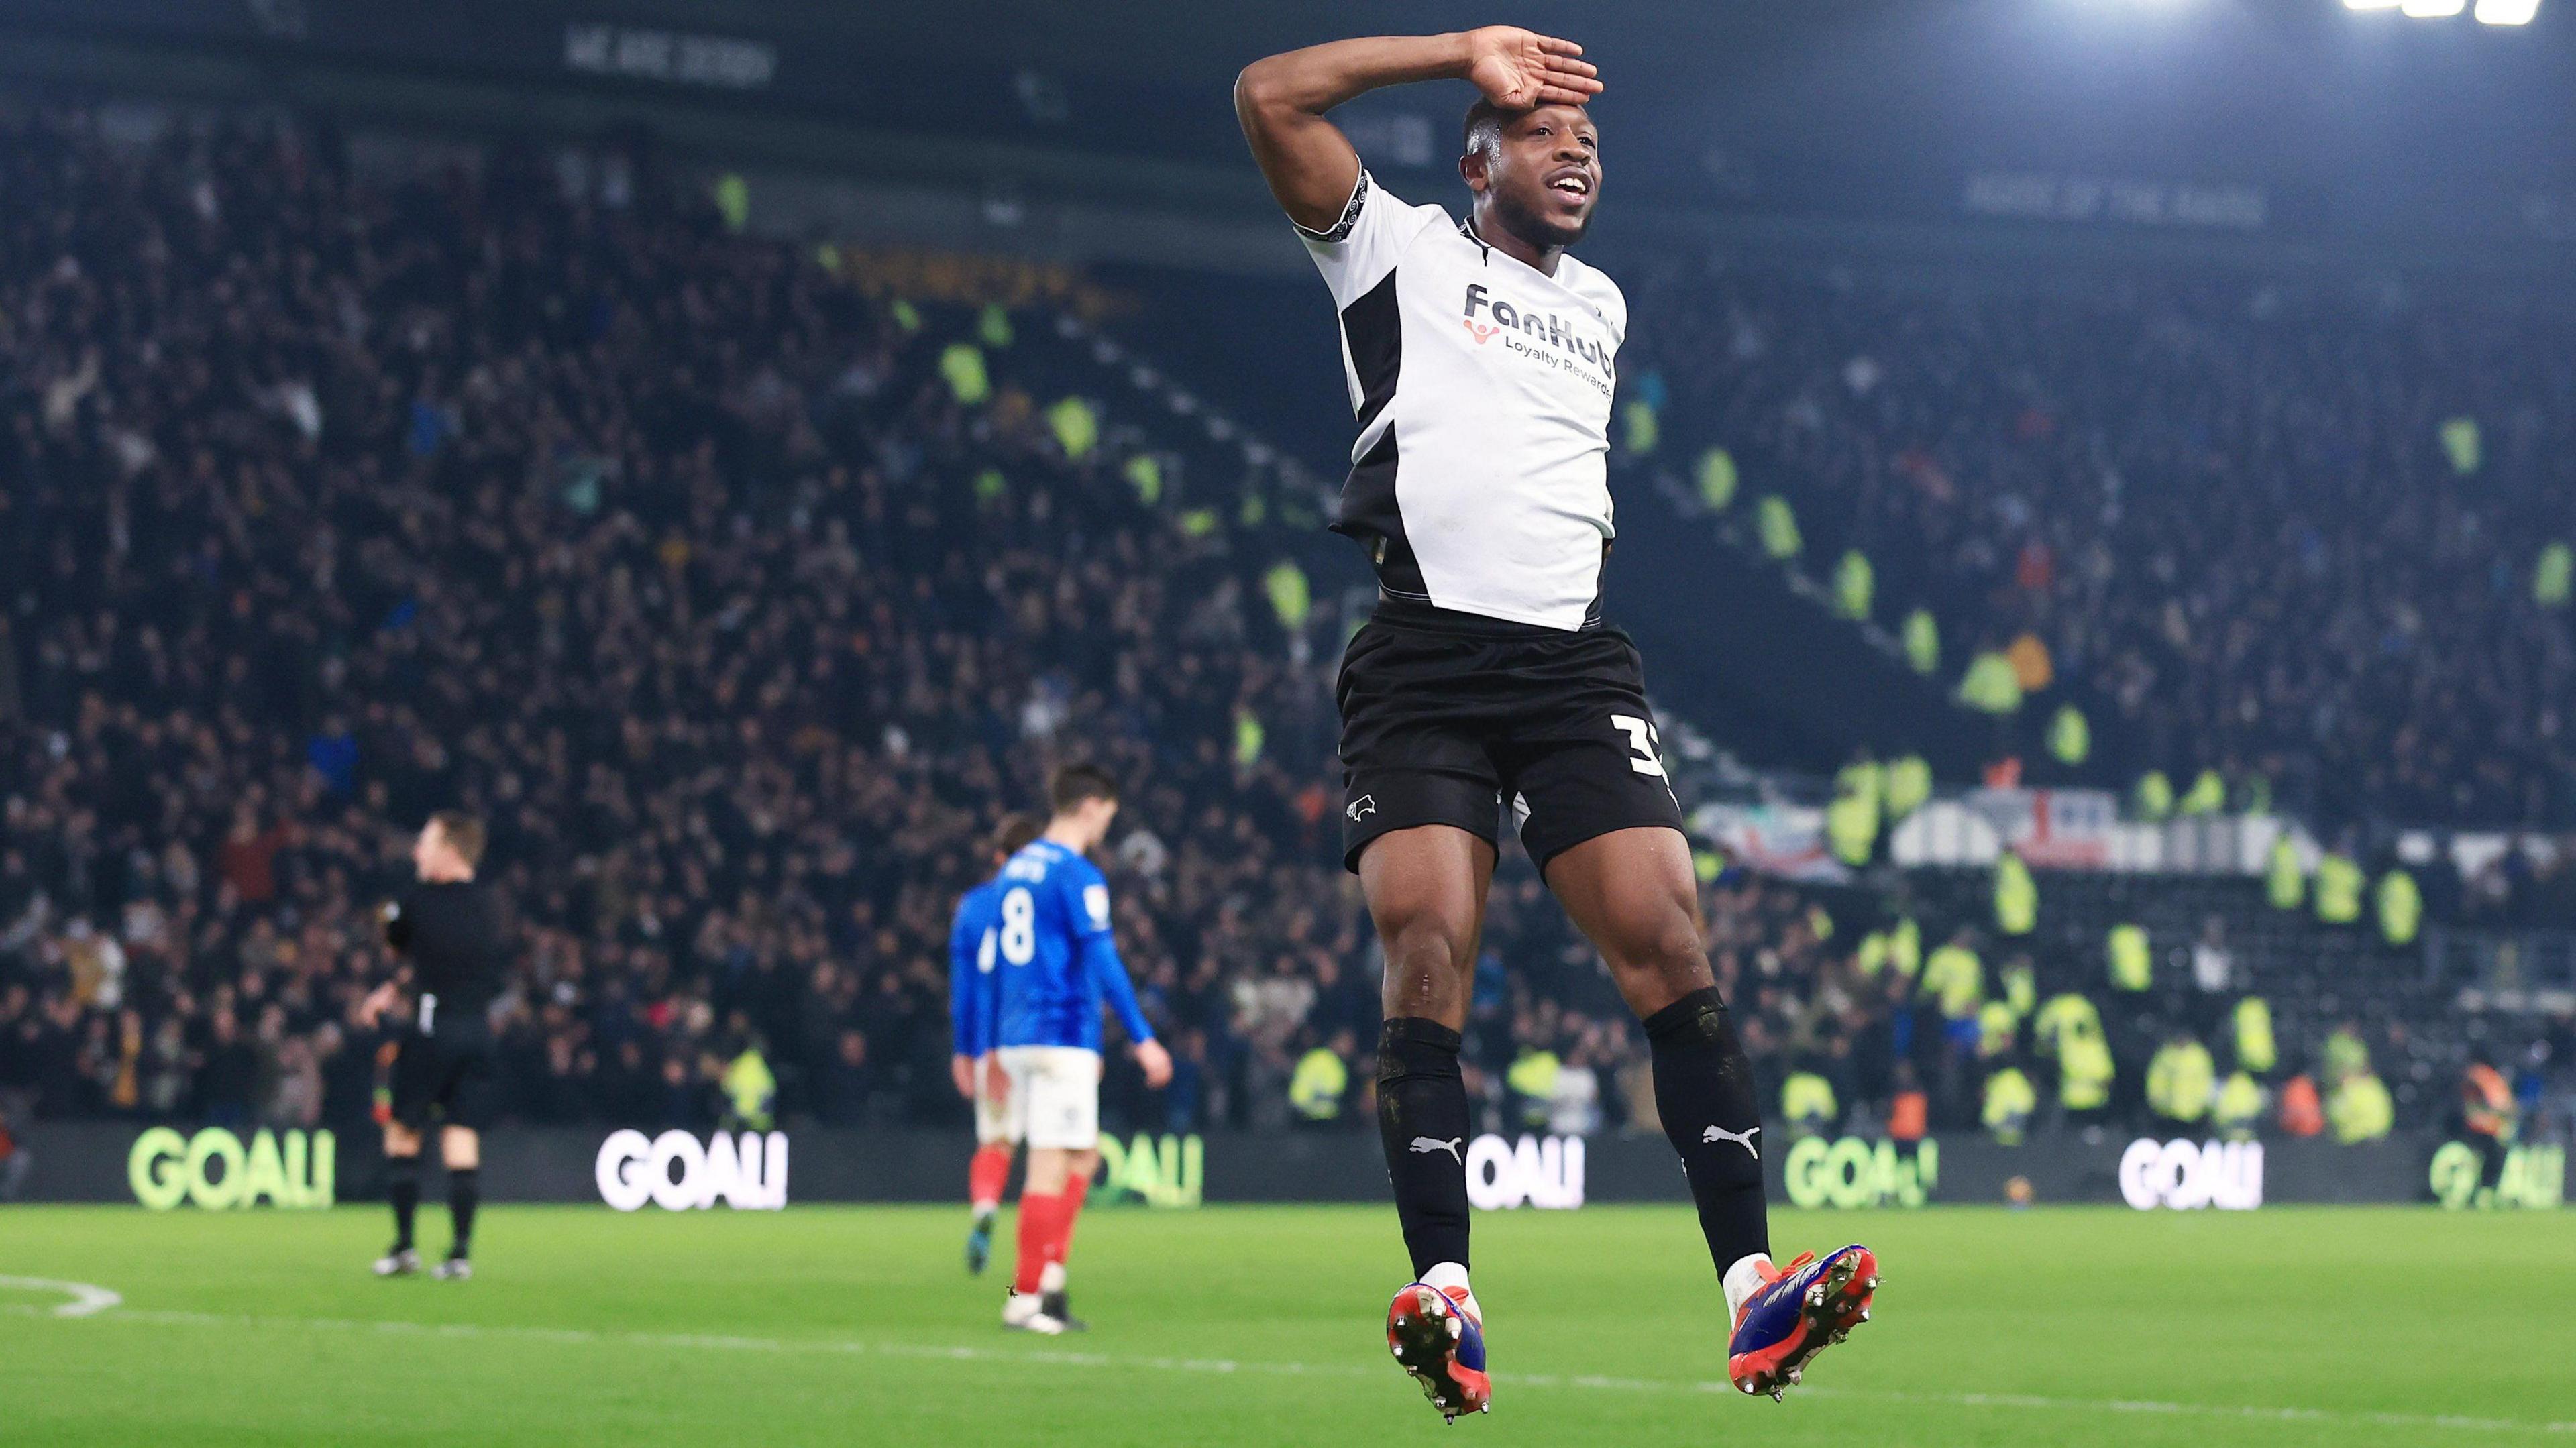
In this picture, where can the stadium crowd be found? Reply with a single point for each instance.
(2308, 539)
(740, 601)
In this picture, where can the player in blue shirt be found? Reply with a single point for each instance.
(972, 945)
(1055, 966)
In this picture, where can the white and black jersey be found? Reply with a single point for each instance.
(1479, 482)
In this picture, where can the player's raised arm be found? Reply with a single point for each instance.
(1311, 168)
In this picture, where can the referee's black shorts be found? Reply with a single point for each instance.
(456, 1074)
(1447, 728)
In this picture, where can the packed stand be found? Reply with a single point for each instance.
(739, 595)
(2313, 545)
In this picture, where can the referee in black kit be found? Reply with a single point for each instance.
(448, 930)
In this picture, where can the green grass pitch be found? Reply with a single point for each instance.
(824, 1325)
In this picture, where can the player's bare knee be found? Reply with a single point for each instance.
(1661, 961)
(1425, 967)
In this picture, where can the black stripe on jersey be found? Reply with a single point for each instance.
(1374, 331)
(1369, 514)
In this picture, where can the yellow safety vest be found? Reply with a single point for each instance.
(1995, 1022)
(1990, 685)
(2339, 884)
(1922, 642)
(963, 368)
(2066, 1016)
(751, 1089)
(2021, 987)
(2283, 881)
(2132, 962)
(2240, 1107)
(2084, 1071)
(1315, 1089)
(2254, 1046)
(1855, 583)
(2010, 1100)
(2155, 795)
(1909, 785)
(1955, 973)
(1778, 527)
(2208, 795)
(1871, 956)
(2401, 907)
(1717, 478)
(1807, 1101)
(2179, 1080)
(2016, 896)
(2360, 1109)
(2069, 737)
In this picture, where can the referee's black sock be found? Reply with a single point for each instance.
(402, 1188)
(464, 1193)
(1422, 1120)
(1704, 1092)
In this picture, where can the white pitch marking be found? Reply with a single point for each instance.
(105, 1299)
(86, 1298)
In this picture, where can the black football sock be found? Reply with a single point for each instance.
(402, 1189)
(464, 1193)
(1704, 1092)
(1422, 1120)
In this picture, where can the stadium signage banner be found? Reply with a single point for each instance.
(1171, 1173)
(215, 1170)
(2534, 1176)
(2187, 1176)
(676, 1172)
(1534, 1171)
(1853, 1173)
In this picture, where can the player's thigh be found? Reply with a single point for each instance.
(996, 1122)
(1062, 1098)
(1632, 893)
(1425, 888)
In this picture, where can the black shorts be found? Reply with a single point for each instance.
(1445, 728)
(453, 1073)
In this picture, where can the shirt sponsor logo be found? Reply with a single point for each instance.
(1487, 315)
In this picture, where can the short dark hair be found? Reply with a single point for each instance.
(1485, 122)
(1072, 784)
(464, 834)
(1012, 833)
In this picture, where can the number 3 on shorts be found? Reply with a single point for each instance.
(1643, 742)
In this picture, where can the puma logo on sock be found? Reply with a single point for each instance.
(1427, 1145)
(1742, 1138)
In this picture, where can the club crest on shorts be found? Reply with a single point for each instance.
(1364, 805)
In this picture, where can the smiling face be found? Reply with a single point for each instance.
(1536, 173)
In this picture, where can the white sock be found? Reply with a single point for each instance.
(1741, 1280)
(1445, 1275)
(1051, 1277)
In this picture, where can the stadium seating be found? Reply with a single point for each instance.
(742, 589)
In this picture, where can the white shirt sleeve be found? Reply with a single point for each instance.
(1361, 248)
